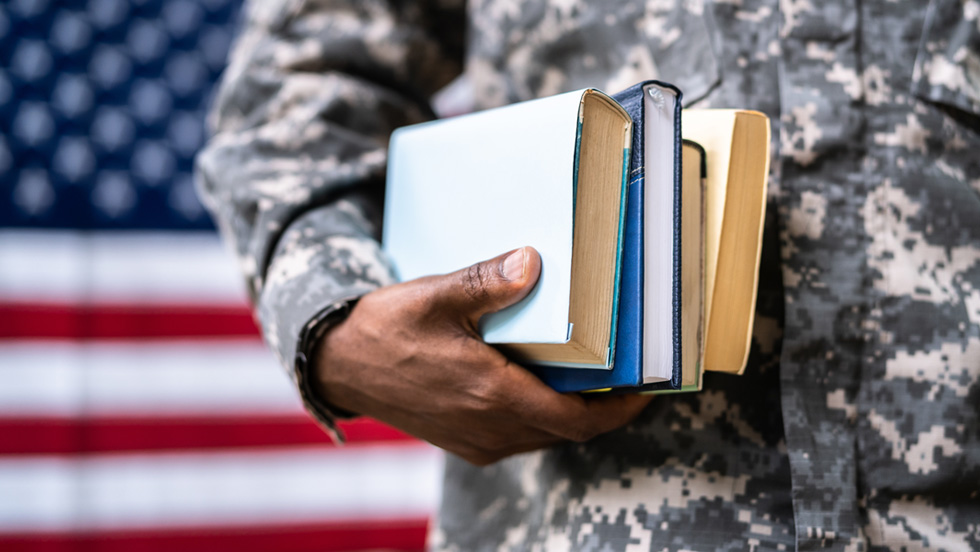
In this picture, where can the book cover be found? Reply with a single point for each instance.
(466, 189)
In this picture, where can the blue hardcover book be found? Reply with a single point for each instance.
(648, 351)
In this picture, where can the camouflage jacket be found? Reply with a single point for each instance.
(857, 424)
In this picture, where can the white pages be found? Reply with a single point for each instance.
(658, 233)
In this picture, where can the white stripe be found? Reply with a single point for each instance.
(172, 377)
(58, 266)
(193, 490)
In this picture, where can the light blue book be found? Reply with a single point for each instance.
(549, 173)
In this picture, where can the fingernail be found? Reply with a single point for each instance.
(513, 268)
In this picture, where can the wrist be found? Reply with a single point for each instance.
(327, 369)
(308, 363)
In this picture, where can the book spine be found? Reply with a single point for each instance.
(678, 209)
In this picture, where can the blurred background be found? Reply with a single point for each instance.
(139, 409)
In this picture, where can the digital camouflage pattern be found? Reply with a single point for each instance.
(857, 424)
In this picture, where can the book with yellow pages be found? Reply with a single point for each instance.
(595, 178)
(736, 160)
(736, 144)
(719, 216)
(549, 173)
(649, 336)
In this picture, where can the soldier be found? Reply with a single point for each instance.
(856, 425)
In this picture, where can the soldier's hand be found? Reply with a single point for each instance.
(409, 355)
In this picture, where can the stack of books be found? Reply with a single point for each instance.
(648, 219)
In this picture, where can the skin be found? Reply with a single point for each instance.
(410, 355)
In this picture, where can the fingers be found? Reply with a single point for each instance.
(580, 419)
(490, 285)
(452, 389)
(571, 416)
(482, 457)
(576, 419)
(512, 411)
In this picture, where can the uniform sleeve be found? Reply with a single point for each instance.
(294, 172)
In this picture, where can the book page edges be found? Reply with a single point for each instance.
(704, 127)
(758, 249)
(692, 270)
(738, 366)
(591, 349)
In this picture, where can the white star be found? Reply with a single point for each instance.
(31, 60)
(186, 132)
(112, 128)
(33, 124)
(214, 44)
(29, 8)
(109, 66)
(70, 32)
(181, 17)
(106, 13)
(113, 193)
(33, 193)
(73, 159)
(185, 73)
(183, 198)
(153, 162)
(146, 41)
(72, 95)
(149, 100)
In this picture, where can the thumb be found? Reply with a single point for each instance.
(490, 285)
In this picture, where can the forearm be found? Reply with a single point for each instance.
(294, 172)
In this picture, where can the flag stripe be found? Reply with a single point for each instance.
(93, 378)
(140, 410)
(33, 436)
(403, 535)
(117, 268)
(111, 492)
(138, 407)
(22, 320)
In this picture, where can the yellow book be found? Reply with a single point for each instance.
(736, 144)
(723, 168)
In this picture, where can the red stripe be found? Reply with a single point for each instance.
(134, 321)
(98, 435)
(400, 535)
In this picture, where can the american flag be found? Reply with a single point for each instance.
(139, 409)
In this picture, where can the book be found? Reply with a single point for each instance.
(736, 143)
(734, 164)
(693, 285)
(722, 190)
(648, 340)
(550, 173)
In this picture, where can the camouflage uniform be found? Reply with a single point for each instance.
(856, 425)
